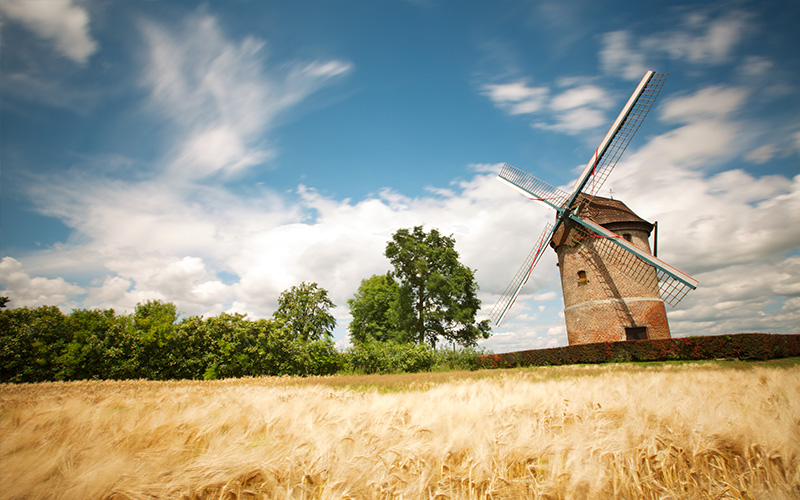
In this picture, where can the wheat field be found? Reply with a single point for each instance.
(616, 431)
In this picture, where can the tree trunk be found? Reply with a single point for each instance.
(420, 317)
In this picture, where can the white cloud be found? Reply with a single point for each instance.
(24, 290)
(220, 94)
(157, 244)
(717, 101)
(112, 293)
(575, 120)
(762, 154)
(580, 107)
(699, 39)
(617, 56)
(702, 40)
(517, 97)
(150, 240)
(61, 21)
(577, 97)
(171, 237)
(721, 228)
(756, 66)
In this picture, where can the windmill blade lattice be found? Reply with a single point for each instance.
(533, 187)
(669, 288)
(512, 290)
(609, 157)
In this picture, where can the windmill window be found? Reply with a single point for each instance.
(627, 236)
(582, 278)
(636, 333)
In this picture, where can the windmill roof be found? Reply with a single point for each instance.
(607, 211)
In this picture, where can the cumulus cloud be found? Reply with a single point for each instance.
(718, 225)
(25, 290)
(170, 236)
(62, 22)
(721, 227)
(152, 241)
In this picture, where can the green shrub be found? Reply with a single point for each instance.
(388, 357)
(461, 359)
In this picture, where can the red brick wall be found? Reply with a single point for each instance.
(599, 308)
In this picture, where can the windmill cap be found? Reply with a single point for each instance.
(606, 211)
(609, 213)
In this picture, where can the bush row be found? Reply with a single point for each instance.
(43, 344)
(394, 357)
(753, 346)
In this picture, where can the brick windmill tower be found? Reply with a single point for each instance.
(603, 303)
(614, 287)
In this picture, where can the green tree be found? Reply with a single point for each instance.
(32, 344)
(234, 345)
(153, 327)
(305, 311)
(377, 311)
(95, 350)
(437, 292)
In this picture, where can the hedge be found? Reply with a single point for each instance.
(751, 346)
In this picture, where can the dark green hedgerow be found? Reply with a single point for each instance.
(750, 346)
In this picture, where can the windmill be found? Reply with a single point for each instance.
(614, 288)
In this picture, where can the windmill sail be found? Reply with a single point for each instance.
(620, 134)
(533, 188)
(646, 269)
(512, 291)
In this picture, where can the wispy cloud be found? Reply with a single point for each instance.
(221, 94)
(172, 233)
(62, 22)
(517, 97)
(700, 38)
(571, 108)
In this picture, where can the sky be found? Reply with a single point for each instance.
(214, 154)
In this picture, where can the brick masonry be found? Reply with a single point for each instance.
(601, 302)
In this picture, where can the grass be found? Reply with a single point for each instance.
(659, 430)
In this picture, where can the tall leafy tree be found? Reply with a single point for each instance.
(377, 311)
(437, 291)
(32, 341)
(153, 327)
(95, 347)
(305, 310)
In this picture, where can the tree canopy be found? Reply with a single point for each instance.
(305, 311)
(376, 311)
(437, 294)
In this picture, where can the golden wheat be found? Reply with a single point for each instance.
(687, 431)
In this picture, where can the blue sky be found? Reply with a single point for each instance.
(214, 154)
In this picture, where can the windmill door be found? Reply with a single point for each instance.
(636, 333)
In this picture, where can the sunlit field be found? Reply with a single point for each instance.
(698, 430)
